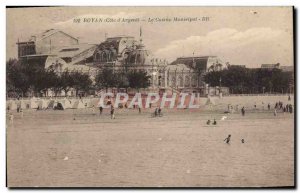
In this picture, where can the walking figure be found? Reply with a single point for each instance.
(155, 112)
(290, 108)
(101, 110)
(21, 111)
(269, 107)
(140, 111)
(243, 111)
(159, 111)
(93, 110)
(227, 140)
(112, 112)
(11, 118)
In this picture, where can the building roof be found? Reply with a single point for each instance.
(197, 57)
(37, 55)
(71, 51)
(178, 67)
(46, 34)
(118, 37)
(270, 65)
(238, 65)
(287, 68)
(199, 62)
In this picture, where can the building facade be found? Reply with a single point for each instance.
(61, 51)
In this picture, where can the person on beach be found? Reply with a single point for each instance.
(155, 112)
(227, 140)
(93, 110)
(22, 113)
(280, 105)
(112, 112)
(215, 122)
(275, 112)
(289, 98)
(269, 106)
(101, 109)
(243, 111)
(290, 108)
(208, 122)
(11, 118)
(140, 110)
(159, 111)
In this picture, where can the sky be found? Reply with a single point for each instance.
(248, 36)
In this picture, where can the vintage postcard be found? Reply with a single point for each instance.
(150, 97)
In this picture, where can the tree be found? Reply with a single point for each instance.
(246, 80)
(17, 80)
(138, 79)
(108, 78)
(81, 82)
(67, 82)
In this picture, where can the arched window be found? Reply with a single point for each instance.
(138, 58)
(98, 56)
(173, 81)
(180, 81)
(187, 81)
(108, 55)
(194, 81)
(103, 56)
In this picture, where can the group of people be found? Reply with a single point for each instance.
(227, 139)
(112, 111)
(279, 106)
(157, 112)
(285, 108)
(213, 123)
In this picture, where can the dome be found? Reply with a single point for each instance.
(138, 56)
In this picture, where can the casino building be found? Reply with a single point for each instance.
(61, 51)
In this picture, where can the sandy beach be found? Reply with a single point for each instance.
(79, 149)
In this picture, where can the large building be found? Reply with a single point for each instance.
(61, 51)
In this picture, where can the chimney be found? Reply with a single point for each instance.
(33, 38)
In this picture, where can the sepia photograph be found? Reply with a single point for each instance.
(155, 97)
